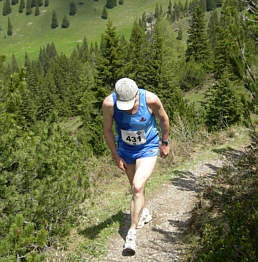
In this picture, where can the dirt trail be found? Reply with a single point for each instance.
(161, 240)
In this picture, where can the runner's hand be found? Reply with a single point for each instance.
(164, 150)
(121, 163)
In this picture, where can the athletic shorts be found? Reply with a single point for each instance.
(130, 157)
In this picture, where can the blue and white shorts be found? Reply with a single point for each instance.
(130, 156)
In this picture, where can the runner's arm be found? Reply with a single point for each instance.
(108, 112)
(158, 110)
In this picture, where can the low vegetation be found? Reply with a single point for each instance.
(224, 222)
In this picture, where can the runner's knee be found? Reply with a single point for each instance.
(137, 188)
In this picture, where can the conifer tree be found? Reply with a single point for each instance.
(137, 53)
(14, 2)
(28, 7)
(21, 6)
(210, 5)
(15, 67)
(73, 8)
(179, 34)
(33, 3)
(6, 8)
(65, 22)
(37, 11)
(109, 64)
(203, 5)
(54, 21)
(169, 11)
(9, 27)
(223, 108)
(83, 51)
(104, 14)
(212, 25)
(109, 4)
(197, 42)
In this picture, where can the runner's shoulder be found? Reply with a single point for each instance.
(108, 102)
(151, 98)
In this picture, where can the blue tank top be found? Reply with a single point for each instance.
(136, 131)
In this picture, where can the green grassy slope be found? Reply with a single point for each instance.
(31, 32)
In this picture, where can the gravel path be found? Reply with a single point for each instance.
(171, 205)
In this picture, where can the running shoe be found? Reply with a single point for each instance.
(144, 218)
(130, 245)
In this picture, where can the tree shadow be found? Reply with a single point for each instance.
(229, 152)
(93, 231)
(185, 181)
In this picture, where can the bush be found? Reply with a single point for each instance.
(192, 75)
(231, 234)
(43, 179)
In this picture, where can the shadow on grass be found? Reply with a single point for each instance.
(93, 231)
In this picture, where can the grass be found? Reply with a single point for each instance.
(103, 214)
(31, 32)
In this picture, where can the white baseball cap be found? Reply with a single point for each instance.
(126, 91)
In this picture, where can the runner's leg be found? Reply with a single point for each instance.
(143, 170)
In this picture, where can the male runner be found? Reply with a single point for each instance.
(134, 111)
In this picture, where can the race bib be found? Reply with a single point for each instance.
(133, 137)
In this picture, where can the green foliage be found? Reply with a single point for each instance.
(104, 14)
(121, 2)
(37, 11)
(65, 22)
(9, 27)
(73, 9)
(54, 21)
(21, 6)
(46, 3)
(6, 8)
(109, 64)
(28, 7)
(223, 106)
(37, 161)
(197, 42)
(230, 234)
(192, 76)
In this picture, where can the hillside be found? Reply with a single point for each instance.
(30, 32)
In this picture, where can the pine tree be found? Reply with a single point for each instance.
(179, 34)
(223, 107)
(37, 11)
(197, 42)
(9, 27)
(73, 9)
(109, 64)
(21, 6)
(203, 5)
(104, 14)
(28, 7)
(110, 4)
(137, 53)
(54, 21)
(14, 2)
(65, 22)
(211, 5)
(169, 11)
(212, 25)
(15, 67)
(33, 3)
(6, 8)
